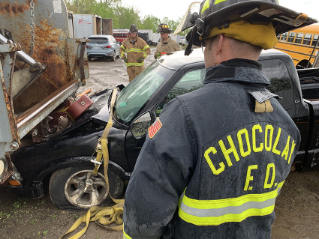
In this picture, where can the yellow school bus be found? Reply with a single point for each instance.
(301, 44)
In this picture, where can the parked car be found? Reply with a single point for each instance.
(66, 158)
(103, 46)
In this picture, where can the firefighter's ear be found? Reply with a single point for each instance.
(220, 43)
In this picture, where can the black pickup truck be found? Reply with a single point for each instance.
(66, 158)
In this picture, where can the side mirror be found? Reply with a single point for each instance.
(140, 125)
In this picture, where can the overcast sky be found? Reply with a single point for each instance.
(173, 9)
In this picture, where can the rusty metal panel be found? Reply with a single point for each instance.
(77, 60)
(30, 118)
(9, 138)
(50, 44)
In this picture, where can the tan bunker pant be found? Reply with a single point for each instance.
(134, 71)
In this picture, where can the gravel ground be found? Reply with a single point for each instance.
(297, 207)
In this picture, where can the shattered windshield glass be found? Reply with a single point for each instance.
(135, 95)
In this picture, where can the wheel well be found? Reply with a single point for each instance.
(48, 169)
(303, 64)
(45, 182)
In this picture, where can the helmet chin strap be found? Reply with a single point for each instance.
(188, 49)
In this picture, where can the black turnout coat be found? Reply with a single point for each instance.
(211, 166)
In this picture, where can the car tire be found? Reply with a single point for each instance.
(114, 56)
(76, 189)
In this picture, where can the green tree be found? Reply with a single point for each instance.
(127, 16)
(150, 22)
(123, 16)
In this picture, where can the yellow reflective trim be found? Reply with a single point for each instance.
(280, 184)
(147, 46)
(205, 221)
(123, 47)
(125, 236)
(135, 64)
(145, 55)
(229, 202)
(206, 6)
(134, 50)
(219, 1)
(222, 204)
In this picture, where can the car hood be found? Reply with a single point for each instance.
(97, 112)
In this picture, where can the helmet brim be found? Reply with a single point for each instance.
(259, 12)
(169, 32)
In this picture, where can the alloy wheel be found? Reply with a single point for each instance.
(84, 190)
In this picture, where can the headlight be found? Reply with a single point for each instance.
(3, 166)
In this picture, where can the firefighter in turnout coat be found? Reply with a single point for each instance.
(216, 158)
(167, 44)
(136, 50)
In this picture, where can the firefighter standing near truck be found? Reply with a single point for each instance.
(215, 160)
(136, 50)
(167, 44)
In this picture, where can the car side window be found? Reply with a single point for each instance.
(280, 81)
(190, 81)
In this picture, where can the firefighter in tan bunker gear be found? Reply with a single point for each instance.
(166, 44)
(137, 50)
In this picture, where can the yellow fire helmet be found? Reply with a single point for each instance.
(255, 22)
(163, 27)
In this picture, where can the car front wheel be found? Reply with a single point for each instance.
(77, 189)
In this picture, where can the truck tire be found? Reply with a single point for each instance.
(76, 189)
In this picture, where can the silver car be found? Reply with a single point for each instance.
(103, 46)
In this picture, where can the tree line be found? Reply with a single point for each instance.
(123, 16)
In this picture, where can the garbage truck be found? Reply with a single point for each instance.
(41, 66)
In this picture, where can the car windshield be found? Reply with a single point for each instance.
(98, 40)
(135, 95)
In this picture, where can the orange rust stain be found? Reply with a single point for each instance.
(49, 49)
(13, 9)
